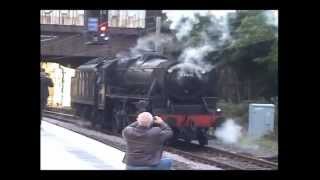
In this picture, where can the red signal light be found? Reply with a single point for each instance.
(103, 28)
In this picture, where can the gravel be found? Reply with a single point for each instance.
(248, 148)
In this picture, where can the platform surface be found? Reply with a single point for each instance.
(62, 149)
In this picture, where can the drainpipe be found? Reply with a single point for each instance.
(62, 83)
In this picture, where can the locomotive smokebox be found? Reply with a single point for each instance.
(185, 81)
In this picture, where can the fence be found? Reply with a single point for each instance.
(62, 20)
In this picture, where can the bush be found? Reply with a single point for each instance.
(238, 112)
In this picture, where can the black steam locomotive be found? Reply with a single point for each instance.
(111, 92)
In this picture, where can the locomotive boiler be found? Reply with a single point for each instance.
(111, 92)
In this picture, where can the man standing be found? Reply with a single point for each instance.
(145, 143)
(46, 82)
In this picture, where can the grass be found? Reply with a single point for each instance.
(263, 144)
(268, 144)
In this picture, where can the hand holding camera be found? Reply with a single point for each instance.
(157, 120)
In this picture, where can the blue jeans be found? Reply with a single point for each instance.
(165, 164)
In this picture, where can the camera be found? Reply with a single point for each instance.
(154, 124)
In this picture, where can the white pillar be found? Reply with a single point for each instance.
(158, 31)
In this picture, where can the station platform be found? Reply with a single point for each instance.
(62, 149)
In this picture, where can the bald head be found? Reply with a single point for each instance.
(145, 119)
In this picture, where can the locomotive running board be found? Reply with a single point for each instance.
(127, 97)
(205, 102)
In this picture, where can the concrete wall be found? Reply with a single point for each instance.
(62, 28)
(75, 45)
(60, 94)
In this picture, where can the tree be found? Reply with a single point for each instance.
(165, 24)
(251, 27)
(250, 53)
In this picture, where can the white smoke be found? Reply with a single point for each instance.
(225, 29)
(176, 15)
(191, 54)
(122, 54)
(188, 70)
(185, 28)
(146, 43)
(229, 132)
(149, 43)
(196, 54)
(193, 63)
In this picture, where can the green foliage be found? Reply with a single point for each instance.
(165, 24)
(252, 62)
(205, 29)
(238, 111)
(248, 28)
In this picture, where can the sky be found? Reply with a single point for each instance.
(175, 15)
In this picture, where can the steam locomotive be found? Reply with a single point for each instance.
(111, 92)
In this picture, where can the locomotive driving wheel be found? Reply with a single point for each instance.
(202, 138)
(186, 134)
(97, 119)
(119, 120)
(94, 119)
(174, 137)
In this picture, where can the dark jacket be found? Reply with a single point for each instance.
(46, 82)
(145, 145)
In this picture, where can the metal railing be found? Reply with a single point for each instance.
(62, 20)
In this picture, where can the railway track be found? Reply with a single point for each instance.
(61, 116)
(207, 155)
(224, 159)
